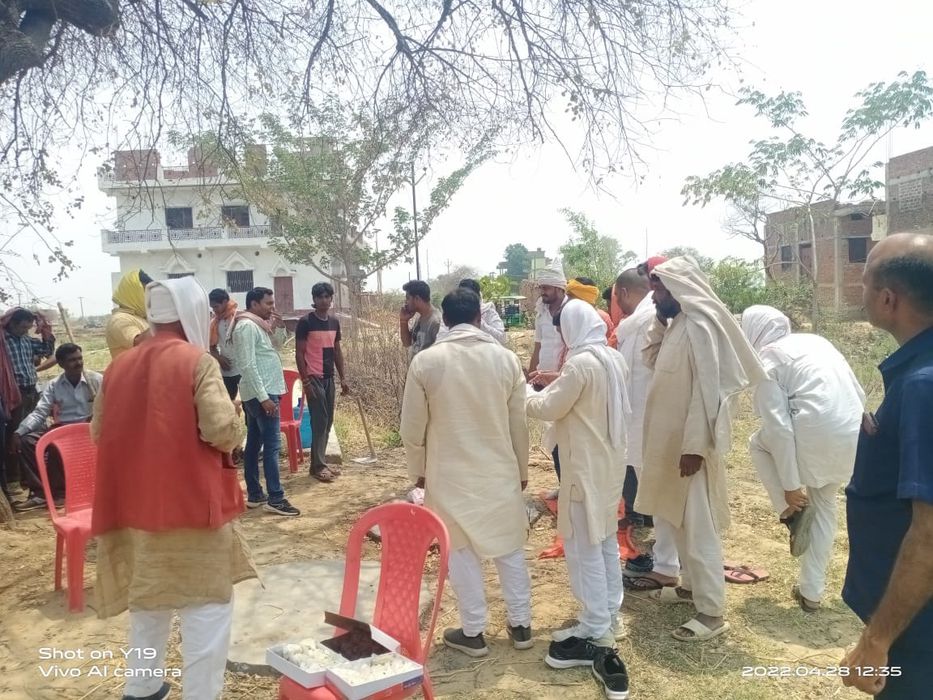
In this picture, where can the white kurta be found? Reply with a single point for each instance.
(464, 431)
(811, 411)
(490, 322)
(591, 470)
(632, 335)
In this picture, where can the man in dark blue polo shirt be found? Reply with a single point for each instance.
(889, 581)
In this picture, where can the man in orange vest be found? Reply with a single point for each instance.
(167, 496)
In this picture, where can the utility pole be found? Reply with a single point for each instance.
(81, 300)
(414, 209)
(427, 262)
(379, 271)
(447, 263)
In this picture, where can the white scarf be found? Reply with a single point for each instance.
(764, 325)
(182, 299)
(584, 331)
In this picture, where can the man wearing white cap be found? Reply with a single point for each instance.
(167, 497)
(549, 346)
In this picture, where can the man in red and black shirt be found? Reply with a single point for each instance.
(317, 353)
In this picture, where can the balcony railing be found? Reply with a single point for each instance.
(202, 233)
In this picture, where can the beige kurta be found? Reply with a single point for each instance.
(140, 570)
(591, 469)
(464, 431)
(676, 424)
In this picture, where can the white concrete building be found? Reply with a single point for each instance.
(174, 221)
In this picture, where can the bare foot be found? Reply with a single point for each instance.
(714, 623)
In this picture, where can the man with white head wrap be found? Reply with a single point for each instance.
(811, 412)
(589, 406)
(701, 361)
(167, 496)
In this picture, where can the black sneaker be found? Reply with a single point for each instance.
(471, 646)
(609, 670)
(256, 502)
(520, 636)
(283, 507)
(160, 694)
(572, 652)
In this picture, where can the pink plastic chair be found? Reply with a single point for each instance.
(73, 528)
(291, 426)
(407, 533)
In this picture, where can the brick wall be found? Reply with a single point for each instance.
(910, 192)
(136, 165)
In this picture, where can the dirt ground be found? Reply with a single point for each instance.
(769, 632)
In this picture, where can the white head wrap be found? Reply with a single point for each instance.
(182, 299)
(551, 277)
(763, 325)
(584, 331)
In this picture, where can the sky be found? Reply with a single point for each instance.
(827, 50)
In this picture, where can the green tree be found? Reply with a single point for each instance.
(791, 169)
(705, 262)
(494, 286)
(517, 262)
(738, 283)
(589, 254)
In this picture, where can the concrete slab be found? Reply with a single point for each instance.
(290, 606)
(333, 454)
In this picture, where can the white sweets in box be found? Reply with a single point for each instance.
(376, 677)
(306, 662)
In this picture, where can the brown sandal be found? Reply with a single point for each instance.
(323, 474)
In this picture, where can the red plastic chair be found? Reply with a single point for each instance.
(407, 533)
(290, 425)
(73, 528)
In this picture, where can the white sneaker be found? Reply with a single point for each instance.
(562, 635)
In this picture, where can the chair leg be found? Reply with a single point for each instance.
(292, 450)
(59, 555)
(74, 554)
(426, 687)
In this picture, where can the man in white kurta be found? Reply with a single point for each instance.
(466, 437)
(490, 320)
(701, 361)
(634, 297)
(810, 409)
(589, 406)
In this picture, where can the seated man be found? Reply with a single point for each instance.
(67, 399)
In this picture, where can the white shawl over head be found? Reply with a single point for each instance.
(182, 299)
(725, 362)
(763, 325)
(584, 331)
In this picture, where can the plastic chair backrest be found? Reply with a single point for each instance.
(291, 378)
(407, 532)
(79, 459)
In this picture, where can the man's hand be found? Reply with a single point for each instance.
(16, 444)
(542, 378)
(311, 387)
(344, 388)
(269, 407)
(420, 483)
(524, 485)
(867, 653)
(690, 464)
(224, 363)
(797, 499)
(869, 424)
(406, 314)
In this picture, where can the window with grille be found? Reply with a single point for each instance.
(235, 215)
(787, 258)
(239, 280)
(858, 250)
(179, 275)
(179, 217)
(910, 195)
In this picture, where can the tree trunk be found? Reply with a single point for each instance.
(815, 272)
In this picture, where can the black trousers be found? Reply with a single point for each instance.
(30, 466)
(556, 455)
(321, 394)
(916, 674)
(9, 468)
(233, 385)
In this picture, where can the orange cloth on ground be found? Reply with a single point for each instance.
(627, 548)
(154, 473)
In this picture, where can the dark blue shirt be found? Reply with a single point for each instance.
(892, 469)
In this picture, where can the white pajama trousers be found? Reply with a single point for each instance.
(815, 561)
(700, 549)
(465, 573)
(595, 575)
(205, 639)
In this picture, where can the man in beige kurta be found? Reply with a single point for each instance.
(465, 434)
(701, 360)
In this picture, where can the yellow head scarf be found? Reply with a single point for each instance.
(130, 294)
(584, 292)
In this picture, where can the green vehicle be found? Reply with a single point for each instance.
(510, 309)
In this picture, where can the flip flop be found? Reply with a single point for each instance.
(642, 583)
(668, 594)
(699, 631)
(324, 475)
(739, 573)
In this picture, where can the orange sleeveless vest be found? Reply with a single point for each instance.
(154, 473)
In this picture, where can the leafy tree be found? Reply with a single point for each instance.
(495, 286)
(705, 262)
(589, 254)
(738, 283)
(448, 281)
(517, 262)
(791, 169)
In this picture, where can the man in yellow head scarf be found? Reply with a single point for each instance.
(127, 325)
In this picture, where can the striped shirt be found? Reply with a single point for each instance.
(23, 351)
(258, 361)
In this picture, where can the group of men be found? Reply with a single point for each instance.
(659, 411)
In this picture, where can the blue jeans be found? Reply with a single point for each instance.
(262, 431)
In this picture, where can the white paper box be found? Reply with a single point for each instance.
(412, 676)
(306, 679)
